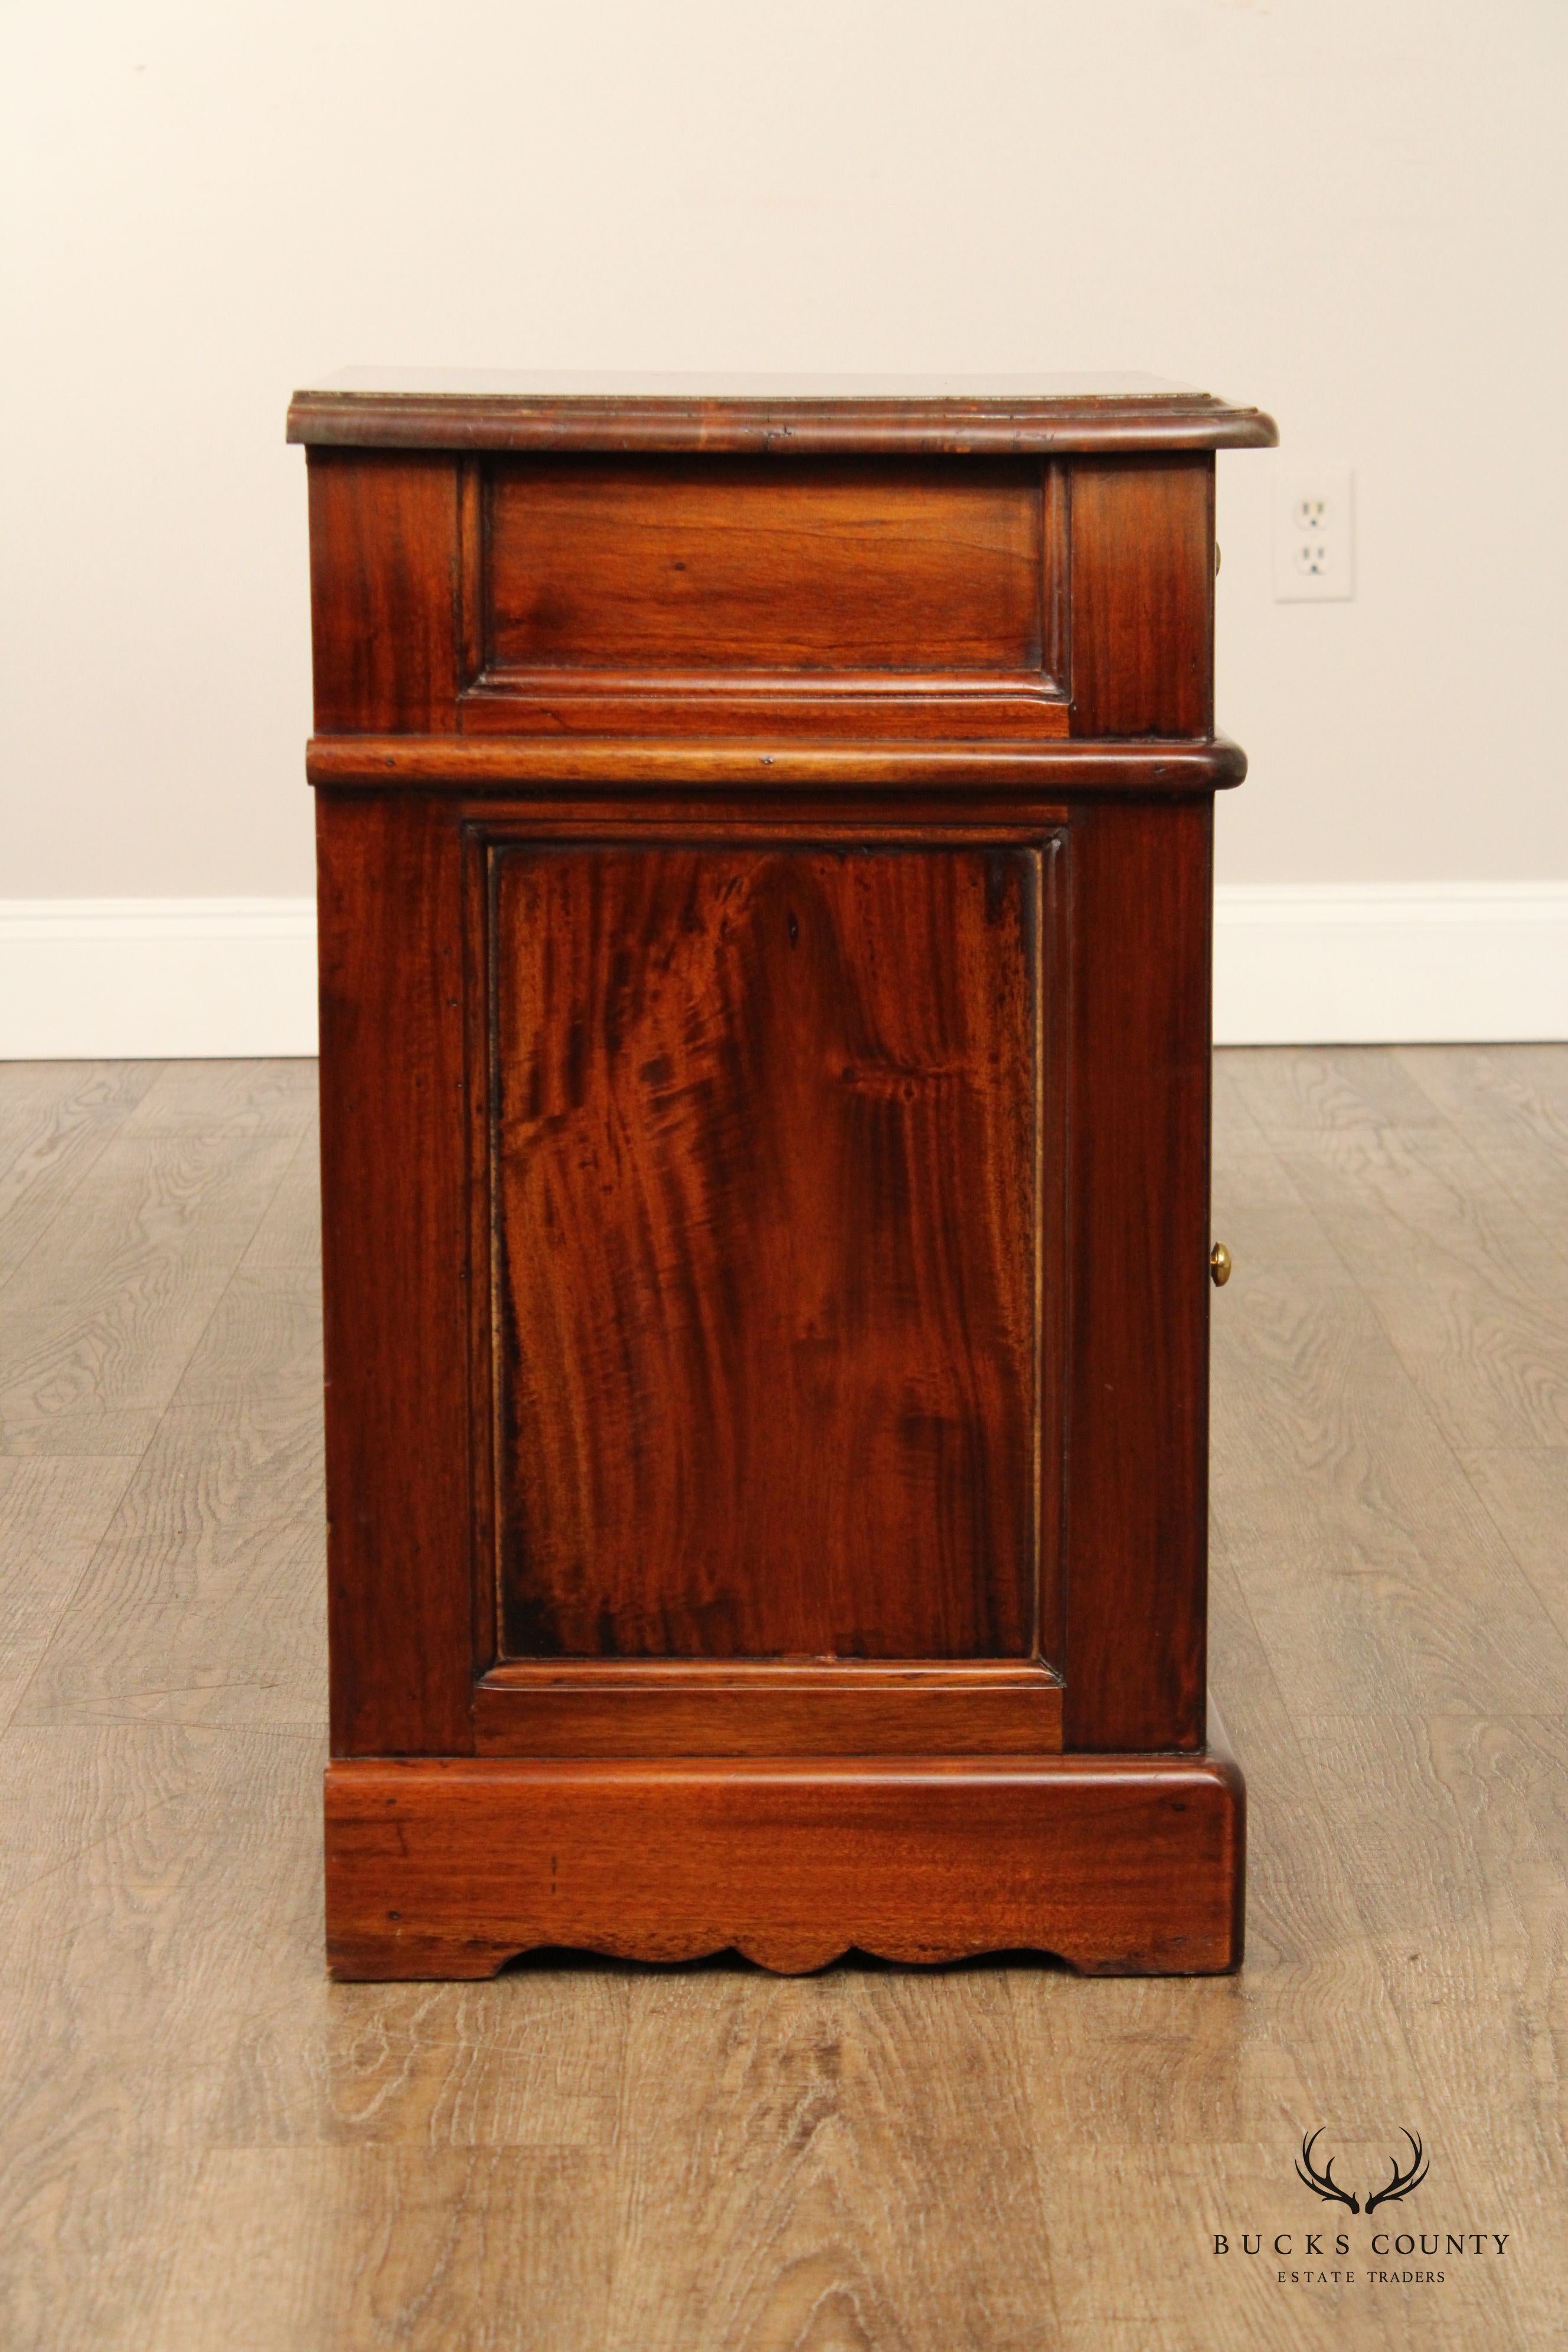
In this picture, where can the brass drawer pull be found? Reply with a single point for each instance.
(1219, 1265)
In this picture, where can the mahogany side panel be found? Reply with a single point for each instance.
(766, 1159)
(1135, 1550)
(1122, 1866)
(1143, 596)
(769, 769)
(395, 1276)
(384, 593)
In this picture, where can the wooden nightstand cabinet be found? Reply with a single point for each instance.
(764, 841)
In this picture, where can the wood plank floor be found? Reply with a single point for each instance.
(205, 2147)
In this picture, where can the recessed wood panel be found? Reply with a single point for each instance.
(766, 1242)
(738, 564)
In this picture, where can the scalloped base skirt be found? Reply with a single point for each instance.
(1118, 1865)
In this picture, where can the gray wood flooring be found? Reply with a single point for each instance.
(205, 2147)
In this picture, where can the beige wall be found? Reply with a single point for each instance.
(1349, 210)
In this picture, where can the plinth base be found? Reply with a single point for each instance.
(1119, 1864)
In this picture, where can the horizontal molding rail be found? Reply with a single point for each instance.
(464, 763)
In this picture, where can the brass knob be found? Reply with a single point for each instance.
(1219, 1265)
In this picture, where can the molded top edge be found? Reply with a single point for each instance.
(401, 408)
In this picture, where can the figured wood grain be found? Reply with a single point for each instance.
(34, 1094)
(768, 1252)
(237, 1099)
(739, 564)
(1400, 1547)
(53, 1515)
(1460, 1821)
(289, 1235)
(100, 1317)
(1511, 1105)
(833, 2190)
(217, 1536)
(1524, 1492)
(148, 1914)
(1472, 1808)
(1465, 1280)
(535, 2060)
(55, 1119)
(453, 2250)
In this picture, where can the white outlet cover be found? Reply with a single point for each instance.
(1314, 534)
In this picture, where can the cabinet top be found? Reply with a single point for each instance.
(410, 408)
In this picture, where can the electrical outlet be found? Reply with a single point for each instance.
(1314, 536)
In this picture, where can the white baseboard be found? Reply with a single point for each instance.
(1319, 964)
(156, 978)
(1407, 964)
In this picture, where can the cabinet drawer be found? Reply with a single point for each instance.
(849, 600)
(730, 564)
(732, 593)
